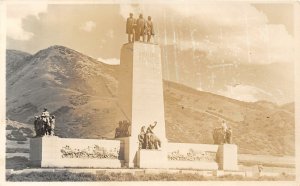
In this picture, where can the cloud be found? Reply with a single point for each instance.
(15, 15)
(244, 93)
(110, 61)
(88, 26)
(110, 33)
(125, 9)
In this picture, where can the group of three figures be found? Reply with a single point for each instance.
(148, 140)
(44, 124)
(139, 28)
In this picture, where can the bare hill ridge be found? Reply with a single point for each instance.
(81, 92)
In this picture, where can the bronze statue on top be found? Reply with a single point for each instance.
(130, 28)
(139, 28)
(149, 31)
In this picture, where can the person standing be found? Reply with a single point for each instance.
(36, 126)
(130, 28)
(229, 135)
(140, 28)
(141, 138)
(52, 125)
(45, 117)
(149, 29)
(260, 169)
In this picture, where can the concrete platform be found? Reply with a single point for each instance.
(205, 173)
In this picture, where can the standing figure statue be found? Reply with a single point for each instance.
(126, 125)
(130, 28)
(228, 136)
(52, 125)
(118, 131)
(140, 28)
(149, 29)
(141, 137)
(38, 126)
(224, 126)
(260, 168)
(46, 118)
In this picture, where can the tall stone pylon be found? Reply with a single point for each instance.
(141, 94)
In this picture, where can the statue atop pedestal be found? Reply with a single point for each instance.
(148, 140)
(137, 28)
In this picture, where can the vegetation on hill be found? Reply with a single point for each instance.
(82, 93)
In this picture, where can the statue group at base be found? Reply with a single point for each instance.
(148, 140)
(123, 129)
(44, 124)
(222, 134)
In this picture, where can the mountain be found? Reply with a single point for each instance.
(14, 61)
(272, 82)
(81, 92)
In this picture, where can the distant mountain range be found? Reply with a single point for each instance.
(82, 93)
(239, 80)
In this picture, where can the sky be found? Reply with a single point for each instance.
(215, 34)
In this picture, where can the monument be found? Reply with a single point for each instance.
(140, 140)
(141, 98)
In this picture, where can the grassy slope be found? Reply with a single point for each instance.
(81, 92)
(191, 116)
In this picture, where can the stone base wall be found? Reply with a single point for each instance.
(192, 156)
(52, 151)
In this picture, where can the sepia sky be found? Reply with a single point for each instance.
(193, 36)
(243, 32)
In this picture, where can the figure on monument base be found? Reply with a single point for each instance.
(123, 129)
(149, 30)
(222, 134)
(141, 137)
(130, 28)
(148, 140)
(44, 124)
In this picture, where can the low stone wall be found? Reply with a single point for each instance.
(51, 151)
(192, 156)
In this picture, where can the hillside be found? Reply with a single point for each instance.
(191, 116)
(81, 92)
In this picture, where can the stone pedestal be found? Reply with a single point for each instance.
(141, 93)
(227, 157)
(152, 159)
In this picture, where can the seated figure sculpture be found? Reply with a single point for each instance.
(151, 140)
(148, 140)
